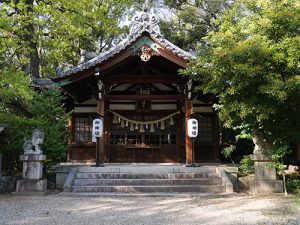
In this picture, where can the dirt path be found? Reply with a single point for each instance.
(208, 209)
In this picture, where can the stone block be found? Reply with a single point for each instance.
(33, 166)
(262, 187)
(33, 157)
(244, 182)
(263, 171)
(32, 170)
(31, 185)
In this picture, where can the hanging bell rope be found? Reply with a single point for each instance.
(120, 117)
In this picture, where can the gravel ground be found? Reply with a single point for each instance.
(233, 209)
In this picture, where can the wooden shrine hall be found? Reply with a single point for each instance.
(136, 88)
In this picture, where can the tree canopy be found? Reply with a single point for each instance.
(191, 20)
(37, 36)
(251, 63)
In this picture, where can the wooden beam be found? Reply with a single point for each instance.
(145, 97)
(100, 141)
(115, 60)
(188, 140)
(142, 78)
(170, 55)
(173, 58)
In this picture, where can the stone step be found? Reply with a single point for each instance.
(151, 189)
(148, 169)
(93, 175)
(146, 182)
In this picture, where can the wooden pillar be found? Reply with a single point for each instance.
(70, 138)
(216, 139)
(100, 141)
(106, 132)
(188, 140)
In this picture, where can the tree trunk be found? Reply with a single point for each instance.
(34, 60)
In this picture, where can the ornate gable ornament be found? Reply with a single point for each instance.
(143, 46)
(143, 21)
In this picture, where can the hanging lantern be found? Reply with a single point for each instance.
(142, 130)
(162, 125)
(146, 126)
(122, 123)
(115, 120)
(126, 123)
(131, 127)
(136, 126)
(157, 124)
(171, 121)
(152, 128)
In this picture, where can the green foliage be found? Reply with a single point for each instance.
(56, 31)
(246, 166)
(49, 114)
(191, 20)
(293, 184)
(278, 154)
(23, 109)
(227, 151)
(251, 63)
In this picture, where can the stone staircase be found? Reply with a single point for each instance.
(145, 179)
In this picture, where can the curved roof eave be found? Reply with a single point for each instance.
(121, 46)
(141, 23)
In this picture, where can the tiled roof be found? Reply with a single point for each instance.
(140, 24)
(42, 82)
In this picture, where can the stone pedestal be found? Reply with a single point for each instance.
(265, 176)
(32, 182)
(33, 166)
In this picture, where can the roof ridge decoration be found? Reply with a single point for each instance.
(143, 21)
(140, 23)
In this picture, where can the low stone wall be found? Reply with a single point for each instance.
(232, 175)
(245, 181)
(7, 184)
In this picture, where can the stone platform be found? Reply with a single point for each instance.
(265, 181)
(32, 182)
(146, 178)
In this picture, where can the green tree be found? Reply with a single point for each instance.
(36, 36)
(191, 20)
(251, 63)
(24, 109)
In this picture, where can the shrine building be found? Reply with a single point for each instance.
(136, 88)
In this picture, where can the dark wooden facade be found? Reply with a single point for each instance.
(120, 81)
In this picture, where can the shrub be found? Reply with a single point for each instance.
(246, 166)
